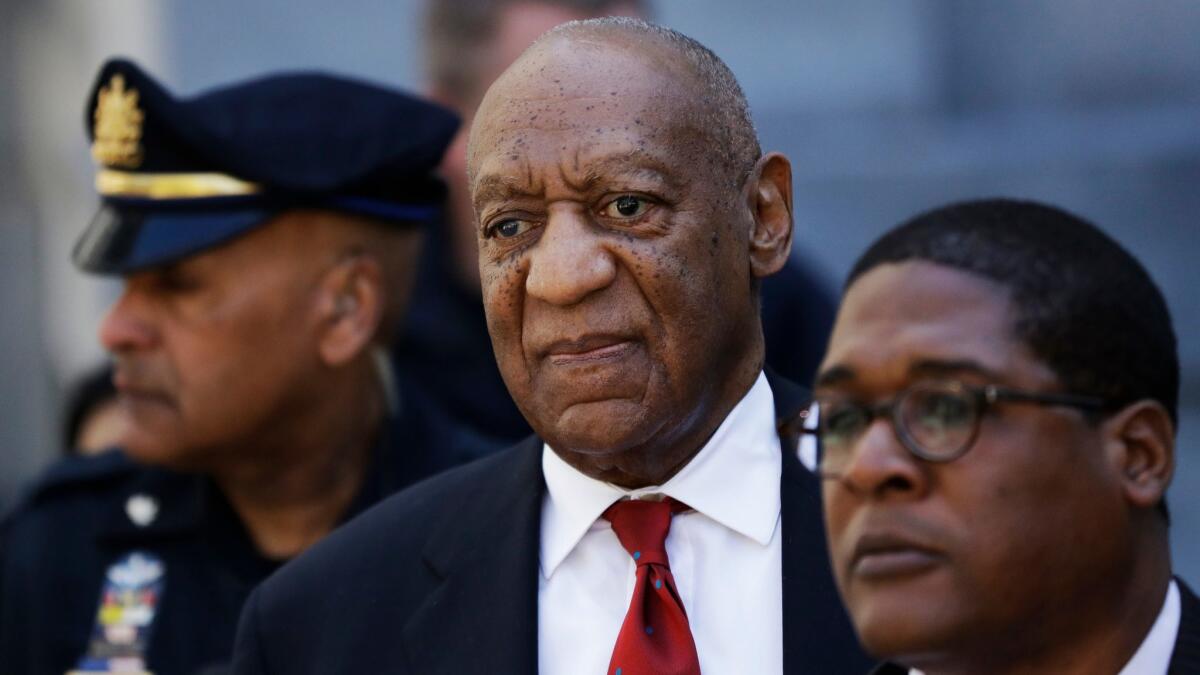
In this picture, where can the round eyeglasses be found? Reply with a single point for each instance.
(936, 421)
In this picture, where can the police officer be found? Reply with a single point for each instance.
(267, 234)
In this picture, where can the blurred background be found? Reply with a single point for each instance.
(886, 108)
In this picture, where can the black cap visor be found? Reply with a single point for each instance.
(124, 238)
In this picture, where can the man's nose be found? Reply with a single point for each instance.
(569, 261)
(880, 465)
(127, 326)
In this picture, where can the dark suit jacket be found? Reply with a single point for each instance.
(443, 578)
(1185, 659)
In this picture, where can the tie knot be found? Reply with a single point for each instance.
(642, 527)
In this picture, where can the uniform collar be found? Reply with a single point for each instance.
(745, 445)
(157, 503)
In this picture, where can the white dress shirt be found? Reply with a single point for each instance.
(1153, 657)
(726, 555)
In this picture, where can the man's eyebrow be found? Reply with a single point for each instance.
(921, 368)
(499, 186)
(946, 367)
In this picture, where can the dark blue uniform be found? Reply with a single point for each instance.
(107, 566)
(82, 518)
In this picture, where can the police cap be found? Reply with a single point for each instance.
(180, 175)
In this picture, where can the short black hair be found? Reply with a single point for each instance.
(1084, 305)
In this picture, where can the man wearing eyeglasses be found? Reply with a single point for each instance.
(997, 412)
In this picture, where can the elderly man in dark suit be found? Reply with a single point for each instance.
(657, 523)
(997, 414)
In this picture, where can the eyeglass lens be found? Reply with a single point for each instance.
(938, 422)
(935, 421)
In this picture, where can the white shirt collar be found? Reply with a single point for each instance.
(745, 446)
(1153, 657)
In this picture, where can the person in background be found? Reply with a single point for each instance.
(267, 233)
(467, 44)
(657, 524)
(997, 416)
(93, 420)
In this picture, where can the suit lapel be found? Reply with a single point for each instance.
(818, 637)
(482, 614)
(1185, 658)
(817, 634)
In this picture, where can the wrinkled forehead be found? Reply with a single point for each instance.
(584, 87)
(572, 65)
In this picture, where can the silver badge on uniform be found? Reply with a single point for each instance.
(142, 509)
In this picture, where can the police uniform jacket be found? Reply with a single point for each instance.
(88, 514)
(107, 564)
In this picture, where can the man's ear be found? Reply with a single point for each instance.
(350, 309)
(1141, 440)
(770, 201)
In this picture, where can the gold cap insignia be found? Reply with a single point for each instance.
(118, 129)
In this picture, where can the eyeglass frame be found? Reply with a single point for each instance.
(985, 396)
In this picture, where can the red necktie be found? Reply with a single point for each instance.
(655, 638)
